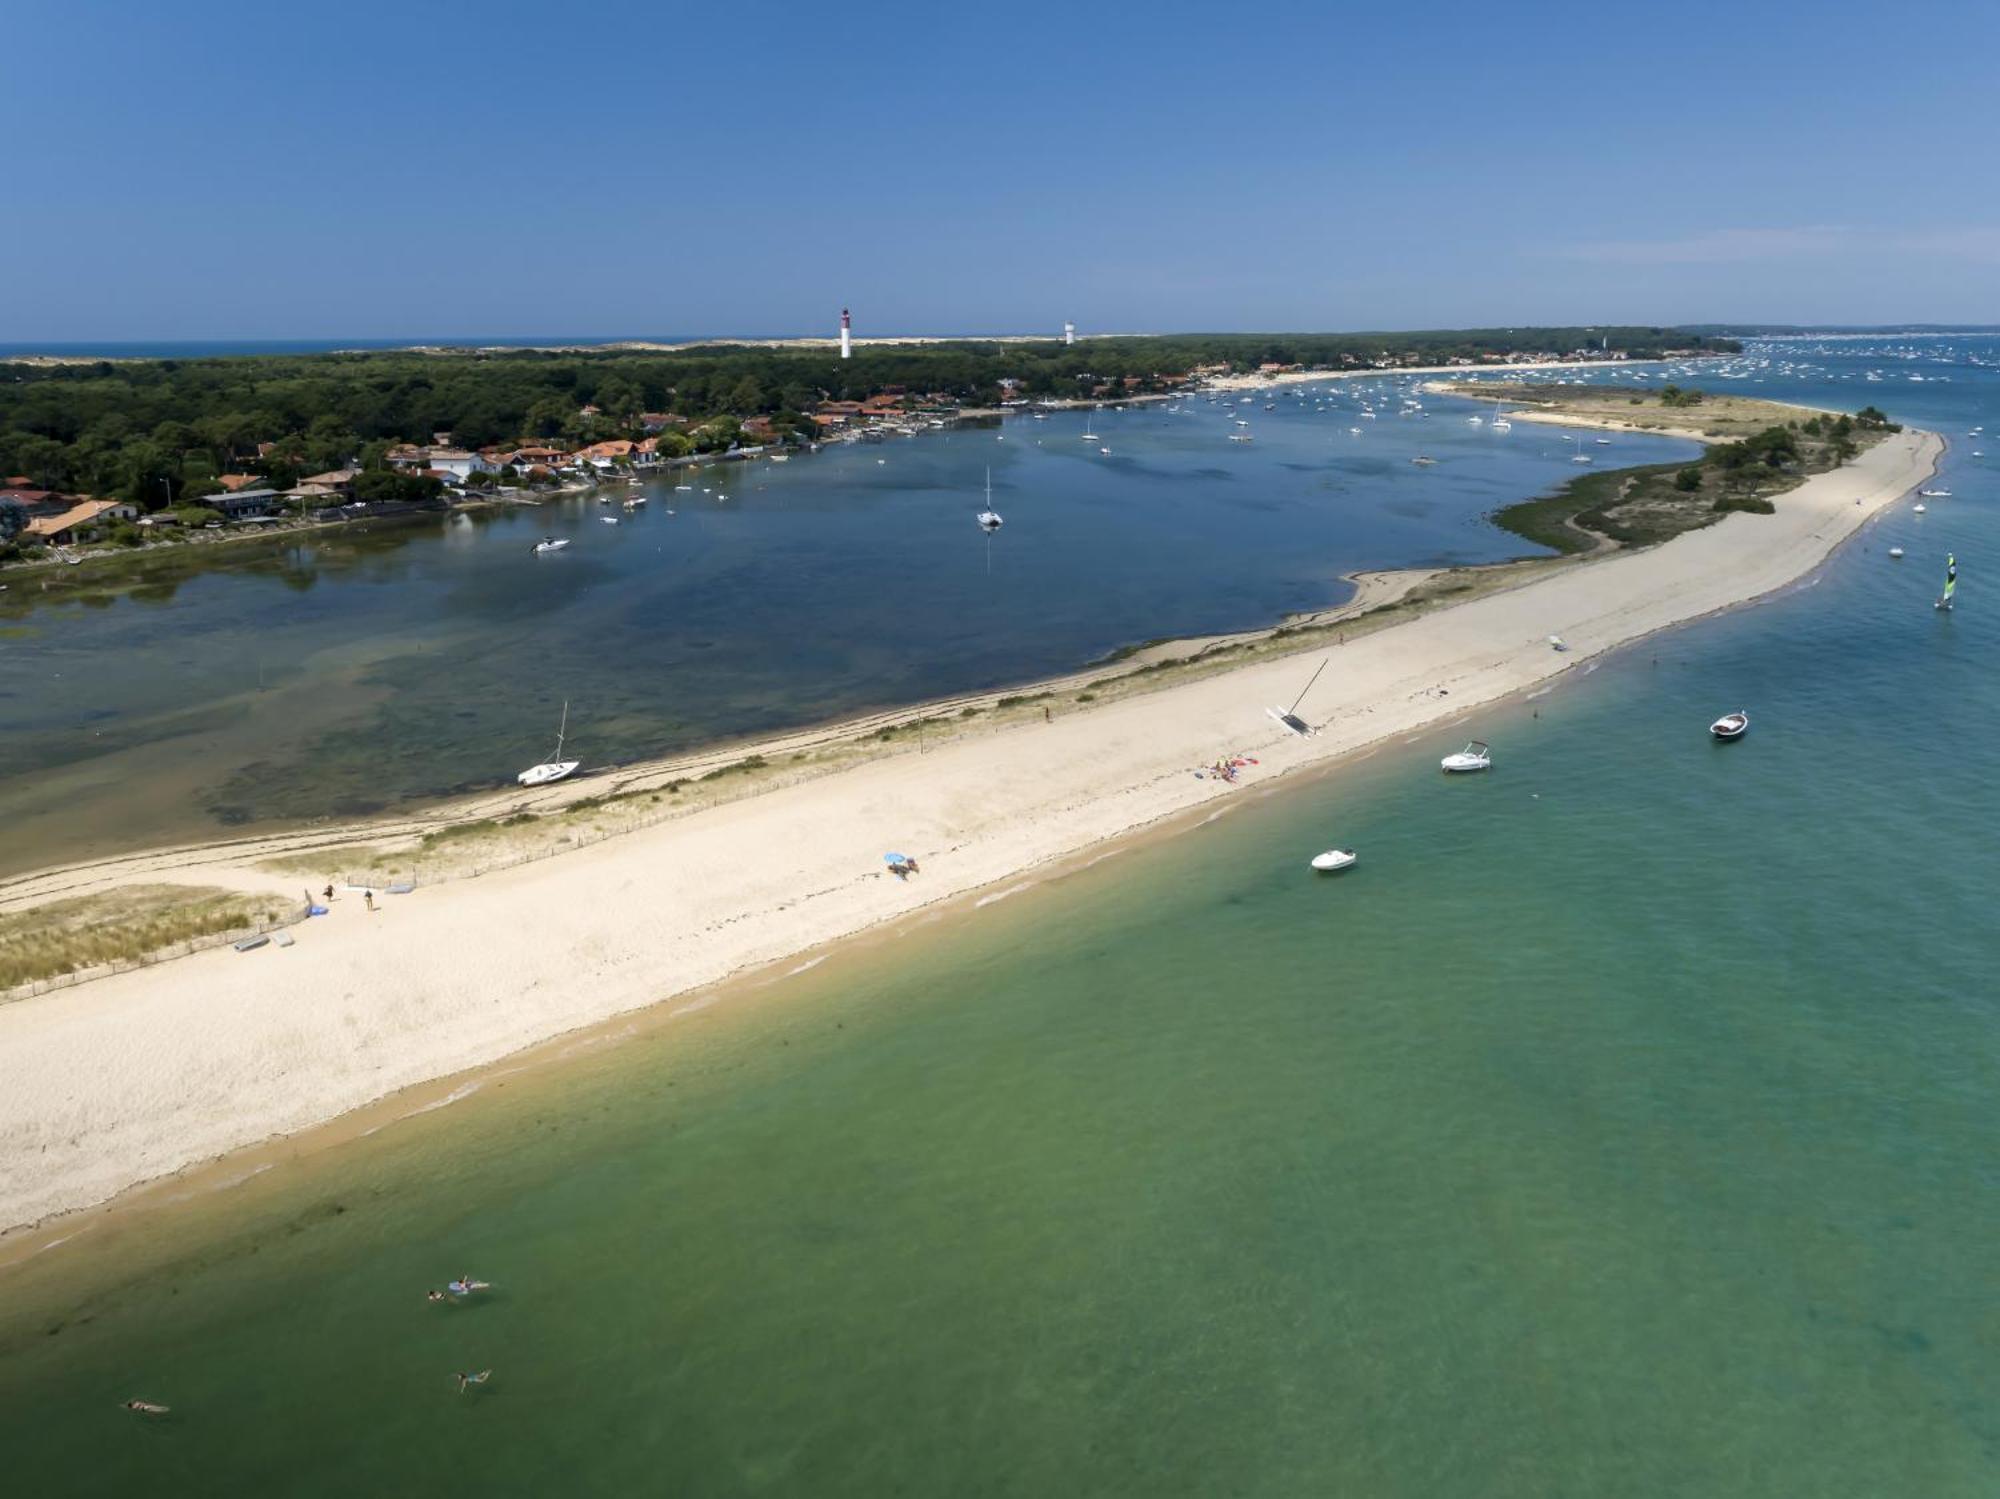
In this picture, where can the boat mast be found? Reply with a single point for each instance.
(563, 729)
(1309, 687)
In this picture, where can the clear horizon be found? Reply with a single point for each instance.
(236, 174)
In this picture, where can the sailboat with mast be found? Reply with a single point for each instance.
(556, 768)
(989, 518)
(1289, 717)
(1950, 582)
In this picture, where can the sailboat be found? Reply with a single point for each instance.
(1950, 582)
(1289, 717)
(552, 770)
(989, 518)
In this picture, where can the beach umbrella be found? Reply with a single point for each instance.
(896, 859)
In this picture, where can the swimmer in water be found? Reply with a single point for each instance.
(433, 1295)
(471, 1379)
(465, 1285)
(146, 1407)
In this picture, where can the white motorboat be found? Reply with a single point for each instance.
(1475, 756)
(1918, 509)
(1895, 551)
(551, 544)
(1934, 494)
(609, 520)
(1731, 725)
(555, 768)
(1423, 460)
(1334, 860)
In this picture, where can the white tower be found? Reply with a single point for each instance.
(1069, 333)
(846, 339)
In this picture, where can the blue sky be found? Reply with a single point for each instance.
(213, 169)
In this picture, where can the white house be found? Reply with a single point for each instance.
(458, 463)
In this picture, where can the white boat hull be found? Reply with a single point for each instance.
(548, 774)
(1730, 726)
(1465, 764)
(1334, 860)
(1292, 722)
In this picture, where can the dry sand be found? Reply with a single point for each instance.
(139, 1075)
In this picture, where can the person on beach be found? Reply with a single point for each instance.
(146, 1407)
(368, 899)
(471, 1379)
(329, 894)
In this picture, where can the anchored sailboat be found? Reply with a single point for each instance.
(556, 768)
(989, 518)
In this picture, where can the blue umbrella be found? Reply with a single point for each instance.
(896, 859)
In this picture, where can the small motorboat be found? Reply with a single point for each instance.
(1934, 494)
(1731, 725)
(1919, 509)
(1334, 860)
(1475, 756)
(551, 544)
(1895, 551)
(609, 520)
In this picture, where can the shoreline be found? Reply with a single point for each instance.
(141, 1075)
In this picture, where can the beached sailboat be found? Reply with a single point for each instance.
(1950, 582)
(556, 767)
(1289, 717)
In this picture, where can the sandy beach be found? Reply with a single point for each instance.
(136, 1076)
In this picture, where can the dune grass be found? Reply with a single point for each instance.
(121, 926)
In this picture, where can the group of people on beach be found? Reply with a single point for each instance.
(1227, 769)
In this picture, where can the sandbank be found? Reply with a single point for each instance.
(142, 1074)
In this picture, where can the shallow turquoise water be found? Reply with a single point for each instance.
(1622, 1125)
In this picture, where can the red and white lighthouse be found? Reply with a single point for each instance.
(846, 336)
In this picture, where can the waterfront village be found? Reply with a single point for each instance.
(39, 525)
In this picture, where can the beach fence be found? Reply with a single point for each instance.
(165, 954)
